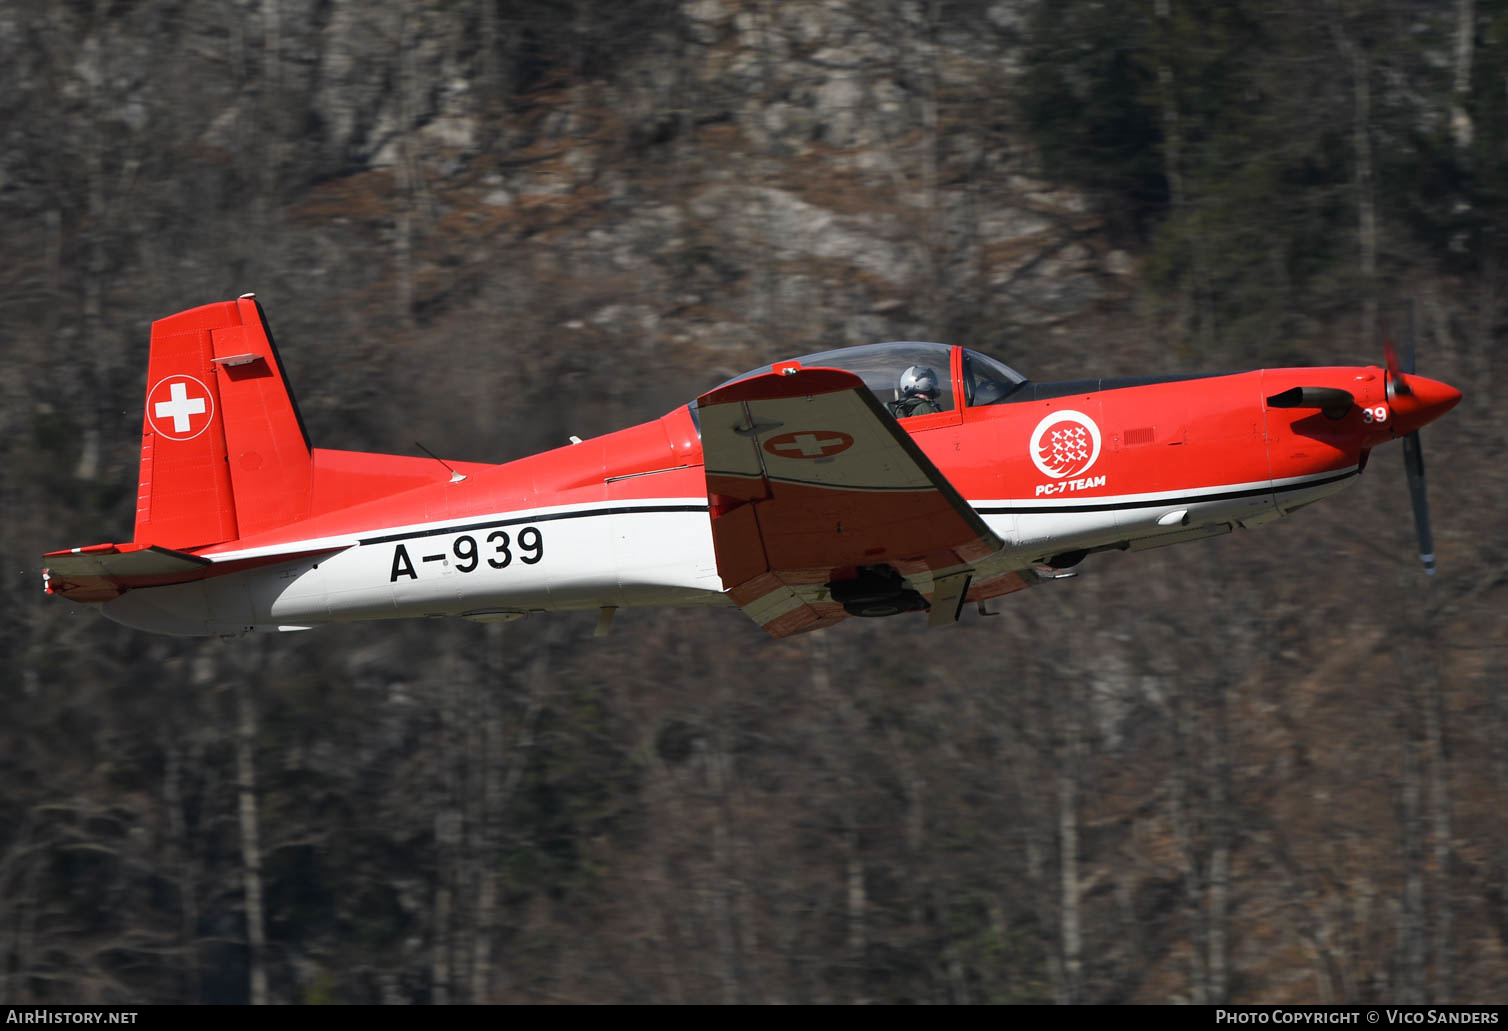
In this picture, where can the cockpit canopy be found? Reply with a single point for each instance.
(979, 378)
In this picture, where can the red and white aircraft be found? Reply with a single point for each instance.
(794, 492)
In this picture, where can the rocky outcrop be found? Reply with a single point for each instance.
(840, 170)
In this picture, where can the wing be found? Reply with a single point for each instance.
(810, 480)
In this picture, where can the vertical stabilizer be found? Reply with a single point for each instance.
(223, 450)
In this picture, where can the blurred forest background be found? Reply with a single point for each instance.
(1269, 768)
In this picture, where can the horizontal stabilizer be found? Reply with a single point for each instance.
(103, 571)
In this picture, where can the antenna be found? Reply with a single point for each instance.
(455, 477)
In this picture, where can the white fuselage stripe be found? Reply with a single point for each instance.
(1164, 496)
(379, 535)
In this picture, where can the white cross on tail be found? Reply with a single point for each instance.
(180, 407)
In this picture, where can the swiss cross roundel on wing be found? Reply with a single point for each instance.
(1065, 444)
(180, 407)
(809, 444)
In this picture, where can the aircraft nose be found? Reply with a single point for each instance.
(1426, 401)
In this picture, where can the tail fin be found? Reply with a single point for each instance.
(224, 453)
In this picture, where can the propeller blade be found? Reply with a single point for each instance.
(1406, 354)
(1397, 384)
(1413, 463)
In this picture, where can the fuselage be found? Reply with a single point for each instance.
(1055, 470)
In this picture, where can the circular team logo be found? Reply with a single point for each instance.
(1065, 444)
(179, 407)
(809, 444)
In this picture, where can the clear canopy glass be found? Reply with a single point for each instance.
(880, 367)
(985, 380)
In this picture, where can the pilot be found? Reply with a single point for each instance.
(918, 393)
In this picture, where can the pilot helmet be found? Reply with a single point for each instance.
(918, 379)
